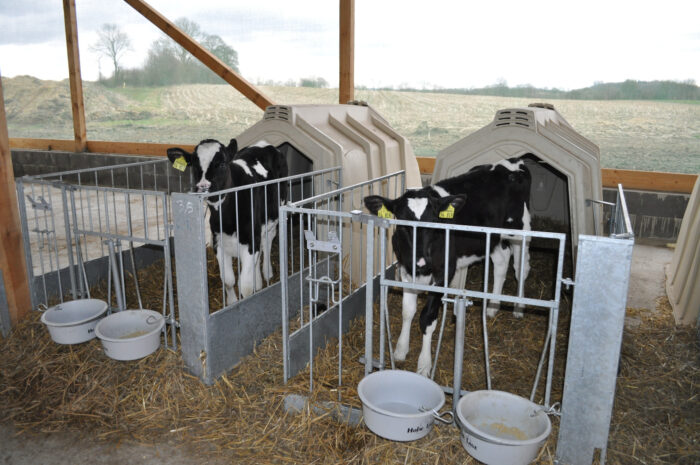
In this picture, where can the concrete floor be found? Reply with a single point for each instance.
(647, 284)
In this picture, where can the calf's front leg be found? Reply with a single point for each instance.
(428, 323)
(226, 272)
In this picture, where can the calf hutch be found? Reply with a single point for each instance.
(565, 168)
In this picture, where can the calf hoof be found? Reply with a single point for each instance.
(491, 311)
(423, 369)
(400, 352)
(231, 296)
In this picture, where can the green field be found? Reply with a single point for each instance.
(641, 135)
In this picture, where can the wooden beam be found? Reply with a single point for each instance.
(76, 81)
(630, 179)
(97, 146)
(12, 263)
(205, 56)
(649, 180)
(346, 91)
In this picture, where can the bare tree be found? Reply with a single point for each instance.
(112, 43)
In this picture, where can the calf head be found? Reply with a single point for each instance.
(418, 205)
(210, 162)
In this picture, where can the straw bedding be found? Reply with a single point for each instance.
(241, 418)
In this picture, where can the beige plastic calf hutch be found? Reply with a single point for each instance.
(571, 168)
(355, 137)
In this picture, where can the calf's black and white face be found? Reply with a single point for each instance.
(210, 163)
(418, 205)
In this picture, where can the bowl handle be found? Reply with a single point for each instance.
(439, 416)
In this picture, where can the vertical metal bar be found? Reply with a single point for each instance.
(169, 270)
(41, 247)
(483, 312)
(369, 293)
(521, 281)
(130, 230)
(382, 296)
(554, 321)
(252, 233)
(460, 307)
(220, 247)
(69, 241)
(27, 244)
(238, 244)
(284, 276)
(340, 307)
(79, 254)
(268, 272)
(115, 276)
(312, 301)
(301, 269)
(413, 272)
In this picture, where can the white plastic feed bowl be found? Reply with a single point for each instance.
(498, 427)
(74, 321)
(399, 405)
(130, 334)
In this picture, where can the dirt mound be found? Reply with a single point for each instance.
(29, 100)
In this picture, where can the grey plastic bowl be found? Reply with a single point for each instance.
(74, 321)
(499, 427)
(400, 405)
(130, 334)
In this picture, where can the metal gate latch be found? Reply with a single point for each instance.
(331, 245)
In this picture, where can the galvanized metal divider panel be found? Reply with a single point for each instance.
(326, 325)
(234, 332)
(595, 338)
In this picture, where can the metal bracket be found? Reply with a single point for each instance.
(41, 204)
(568, 283)
(332, 245)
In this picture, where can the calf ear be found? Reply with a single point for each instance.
(378, 205)
(450, 205)
(176, 155)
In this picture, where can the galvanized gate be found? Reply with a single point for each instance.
(324, 269)
(82, 226)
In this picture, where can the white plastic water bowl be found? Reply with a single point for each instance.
(74, 321)
(400, 405)
(130, 334)
(499, 427)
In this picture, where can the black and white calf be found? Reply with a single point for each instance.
(488, 195)
(238, 222)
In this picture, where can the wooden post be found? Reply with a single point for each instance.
(209, 60)
(76, 81)
(12, 262)
(347, 51)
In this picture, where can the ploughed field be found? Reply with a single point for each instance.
(640, 135)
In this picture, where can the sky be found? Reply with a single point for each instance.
(425, 44)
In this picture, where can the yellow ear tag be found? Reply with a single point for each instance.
(180, 163)
(448, 212)
(384, 213)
